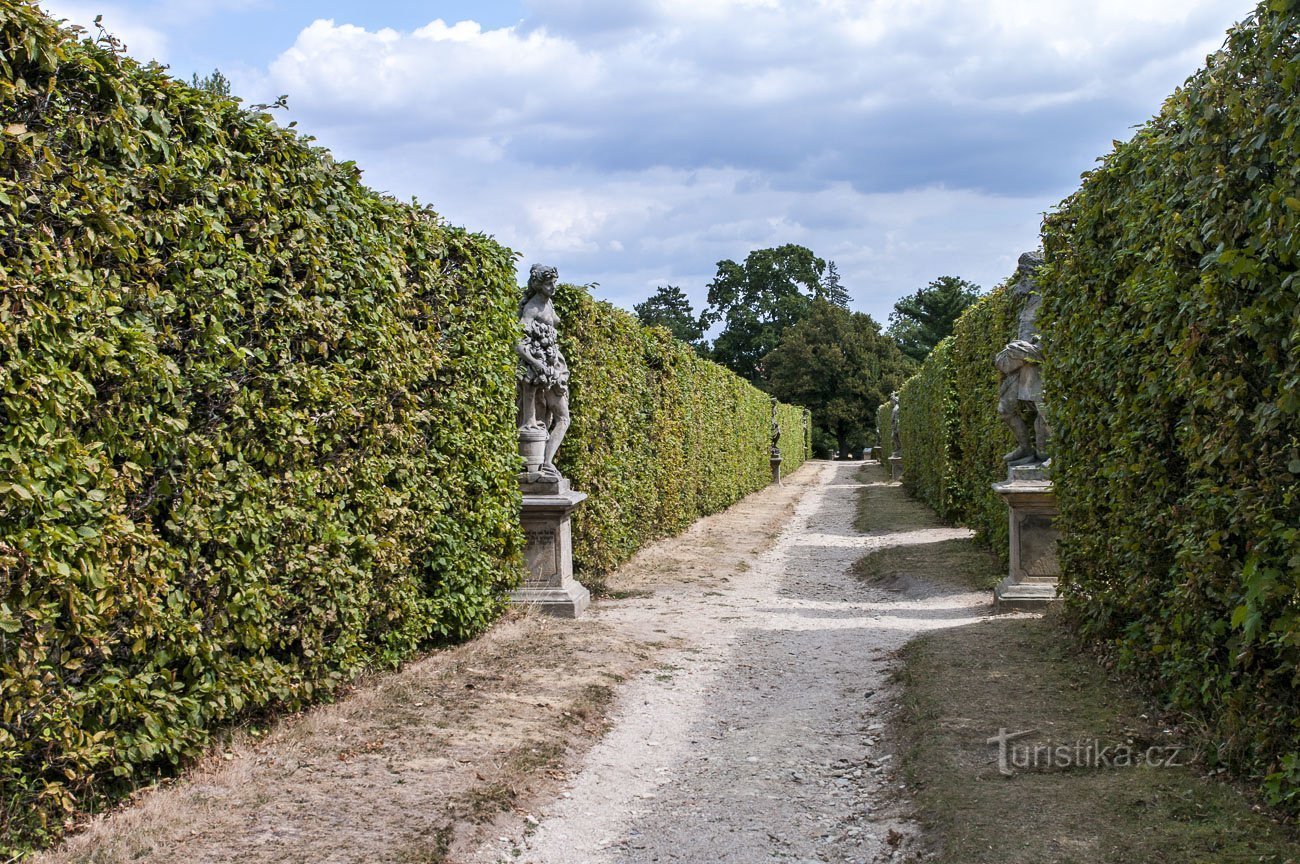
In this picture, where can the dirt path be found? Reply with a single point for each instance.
(729, 709)
(758, 739)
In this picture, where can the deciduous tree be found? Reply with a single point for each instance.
(839, 365)
(774, 289)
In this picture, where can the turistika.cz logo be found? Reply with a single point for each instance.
(1092, 753)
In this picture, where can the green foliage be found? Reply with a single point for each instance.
(921, 321)
(953, 438)
(832, 290)
(926, 412)
(983, 437)
(758, 300)
(1173, 372)
(257, 423)
(670, 308)
(836, 363)
(660, 436)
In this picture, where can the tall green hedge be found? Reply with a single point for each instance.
(1173, 369)
(660, 436)
(925, 427)
(885, 430)
(257, 422)
(953, 439)
(981, 332)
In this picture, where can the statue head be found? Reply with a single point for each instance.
(893, 398)
(1027, 268)
(543, 278)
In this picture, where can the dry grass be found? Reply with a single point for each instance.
(961, 686)
(416, 766)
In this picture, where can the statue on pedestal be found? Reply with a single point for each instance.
(548, 501)
(1022, 381)
(895, 439)
(543, 378)
(776, 432)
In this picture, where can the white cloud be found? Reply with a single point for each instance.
(143, 39)
(638, 143)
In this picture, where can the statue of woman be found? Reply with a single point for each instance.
(542, 374)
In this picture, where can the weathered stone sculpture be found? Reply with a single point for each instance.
(543, 378)
(895, 438)
(1022, 382)
(548, 500)
(1029, 493)
(774, 455)
(895, 458)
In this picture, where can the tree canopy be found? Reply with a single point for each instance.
(838, 364)
(922, 320)
(757, 300)
(669, 307)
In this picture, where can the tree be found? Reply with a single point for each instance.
(922, 320)
(214, 83)
(839, 365)
(831, 287)
(758, 300)
(669, 307)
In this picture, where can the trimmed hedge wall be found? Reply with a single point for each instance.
(660, 436)
(925, 428)
(258, 423)
(980, 333)
(1174, 373)
(953, 439)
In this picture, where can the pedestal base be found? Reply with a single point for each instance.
(895, 468)
(1035, 571)
(775, 462)
(567, 602)
(548, 550)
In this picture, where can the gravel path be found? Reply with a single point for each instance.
(758, 738)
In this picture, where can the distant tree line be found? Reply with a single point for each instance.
(786, 327)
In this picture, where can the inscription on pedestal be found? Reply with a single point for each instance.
(1037, 537)
(541, 553)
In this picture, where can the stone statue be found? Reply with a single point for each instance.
(543, 378)
(1022, 381)
(776, 432)
(893, 425)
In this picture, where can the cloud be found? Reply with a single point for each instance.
(639, 142)
(143, 39)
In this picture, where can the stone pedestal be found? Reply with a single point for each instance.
(548, 550)
(895, 468)
(775, 462)
(1035, 570)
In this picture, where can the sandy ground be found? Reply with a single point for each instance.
(730, 709)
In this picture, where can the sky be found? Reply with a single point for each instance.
(637, 143)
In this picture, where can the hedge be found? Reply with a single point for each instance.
(925, 428)
(1173, 368)
(885, 431)
(257, 423)
(953, 439)
(660, 436)
(981, 332)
